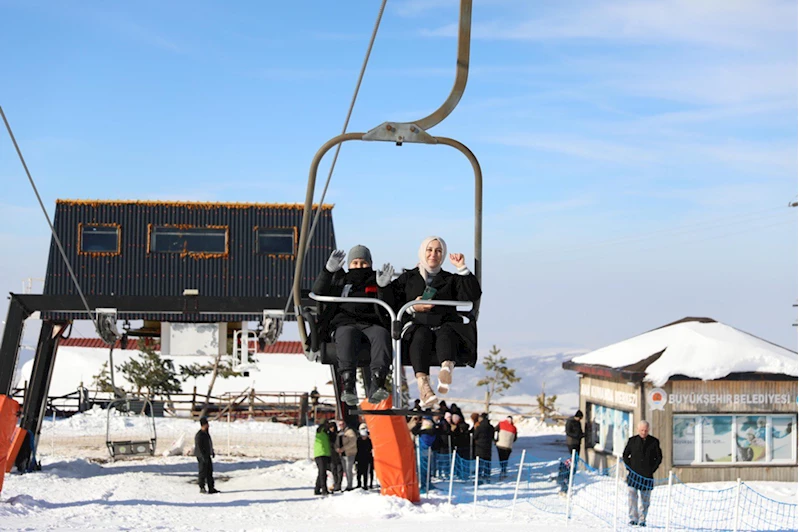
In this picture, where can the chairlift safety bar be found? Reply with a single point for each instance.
(396, 327)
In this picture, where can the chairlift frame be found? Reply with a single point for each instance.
(399, 132)
(129, 448)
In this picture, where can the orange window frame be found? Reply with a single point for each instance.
(118, 251)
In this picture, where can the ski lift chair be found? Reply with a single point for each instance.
(125, 448)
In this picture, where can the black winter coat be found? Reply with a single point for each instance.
(483, 439)
(410, 285)
(203, 446)
(363, 284)
(643, 456)
(574, 432)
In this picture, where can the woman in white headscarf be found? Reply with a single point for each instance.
(439, 328)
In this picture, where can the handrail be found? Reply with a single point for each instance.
(396, 328)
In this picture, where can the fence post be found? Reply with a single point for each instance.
(616, 496)
(252, 403)
(668, 504)
(193, 402)
(518, 480)
(737, 505)
(451, 476)
(228, 432)
(476, 480)
(429, 459)
(569, 494)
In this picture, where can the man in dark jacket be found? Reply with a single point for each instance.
(483, 442)
(643, 456)
(353, 324)
(574, 432)
(204, 451)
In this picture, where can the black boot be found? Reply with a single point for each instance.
(379, 392)
(349, 395)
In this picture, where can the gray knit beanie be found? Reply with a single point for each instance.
(359, 252)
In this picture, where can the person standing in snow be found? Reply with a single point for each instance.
(364, 459)
(483, 438)
(335, 456)
(574, 432)
(506, 434)
(321, 453)
(643, 456)
(348, 448)
(204, 451)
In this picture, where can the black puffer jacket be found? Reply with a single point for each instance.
(456, 287)
(483, 439)
(363, 283)
(643, 456)
(574, 431)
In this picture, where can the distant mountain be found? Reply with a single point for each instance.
(538, 368)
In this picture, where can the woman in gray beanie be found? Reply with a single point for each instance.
(351, 324)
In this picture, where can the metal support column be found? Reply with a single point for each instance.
(36, 401)
(9, 349)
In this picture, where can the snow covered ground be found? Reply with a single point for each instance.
(271, 490)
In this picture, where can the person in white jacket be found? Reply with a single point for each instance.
(506, 434)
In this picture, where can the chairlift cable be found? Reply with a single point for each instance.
(343, 130)
(50, 224)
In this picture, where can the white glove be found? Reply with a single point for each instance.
(336, 260)
(384, 275)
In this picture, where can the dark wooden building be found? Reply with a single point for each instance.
(163, 248)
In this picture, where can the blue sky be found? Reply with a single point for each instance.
(638, 157)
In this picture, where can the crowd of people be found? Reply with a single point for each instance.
(342, 452)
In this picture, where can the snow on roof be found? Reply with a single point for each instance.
(696, 347)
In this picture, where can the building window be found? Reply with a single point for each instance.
(276, 240)
(96, 238)
(724, 439)
(197, 240)
(608, 429)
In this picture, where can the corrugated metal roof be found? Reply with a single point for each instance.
(241, 271)
(278, 348)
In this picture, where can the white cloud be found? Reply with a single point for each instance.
(726, 23)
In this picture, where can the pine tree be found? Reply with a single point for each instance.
(546, 404)
(102, 381)
(500, 378)
(151, 373)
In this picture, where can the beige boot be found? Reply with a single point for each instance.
(426, 395)
(445, 376)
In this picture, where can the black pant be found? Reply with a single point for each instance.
(337, 470)
(366, 470)
(322, 464)
(504, 455)
(206, 472)
(574, 448)
(423, 339)
(349, 339)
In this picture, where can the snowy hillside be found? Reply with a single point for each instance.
(538, 368)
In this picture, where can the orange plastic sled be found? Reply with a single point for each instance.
(8, 422)
(395, 460)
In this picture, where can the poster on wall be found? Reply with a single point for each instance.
(684, 439)
(613, 427)
(781, 440)
(751, 439)
(717, 438)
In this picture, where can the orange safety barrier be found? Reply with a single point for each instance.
(16, 444)
(9, 409)
(395, 460)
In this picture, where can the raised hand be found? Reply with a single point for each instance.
(457, 260)
(336, 260)
(384, 275)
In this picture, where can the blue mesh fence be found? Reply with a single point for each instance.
(694, 508)
(757, 512)
(604, 494)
